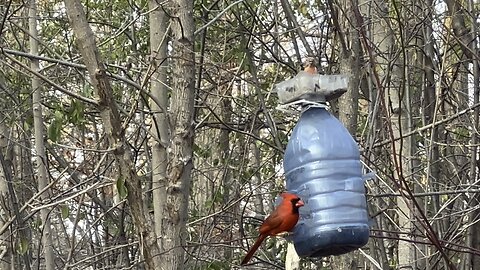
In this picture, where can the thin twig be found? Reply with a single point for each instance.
(425, 194)
(199, 30)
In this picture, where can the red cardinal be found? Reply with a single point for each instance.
(282, 219)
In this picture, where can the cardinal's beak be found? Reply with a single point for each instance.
(299, 204)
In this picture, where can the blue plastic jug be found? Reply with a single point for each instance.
(322, 165)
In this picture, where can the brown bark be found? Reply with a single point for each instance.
(350, 54)
(160, 128)
(41, 157)
(114, 130)
(181, 120)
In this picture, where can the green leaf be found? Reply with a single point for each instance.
(65, 211)
(304, 10)
(121, 188)
(58, 115)
(87, 90)
(54, 130)
(23, 246)
(76, 112)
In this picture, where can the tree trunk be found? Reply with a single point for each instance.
(350, 54)
(115, 132)
(426, 61)
(465, 30)
(181, 120)
(158, 104)
(41, 158)
(391, 71)
(6, 252)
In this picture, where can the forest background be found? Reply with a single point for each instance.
(145, 135)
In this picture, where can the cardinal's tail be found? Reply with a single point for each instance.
(254, 248)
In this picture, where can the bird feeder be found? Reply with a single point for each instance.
(322, 166)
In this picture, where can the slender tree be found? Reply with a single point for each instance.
(108, 108)
(41, 158)
(160, 129)
(180, 164)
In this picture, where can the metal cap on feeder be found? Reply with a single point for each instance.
(318, 88)
(310, 86)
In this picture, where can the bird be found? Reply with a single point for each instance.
(282, 219)
(309, 66)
